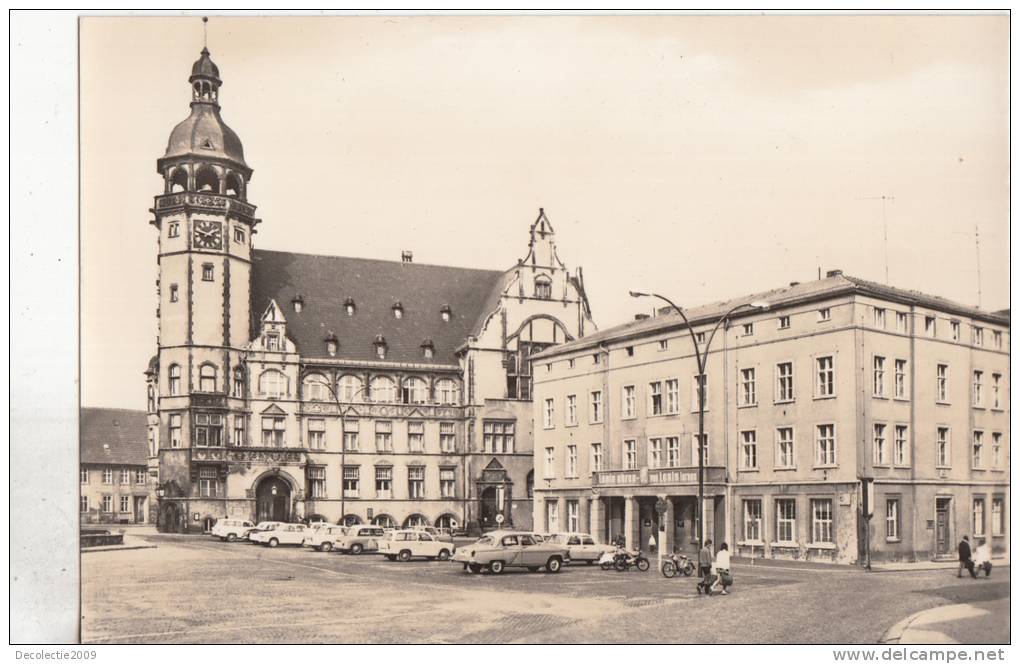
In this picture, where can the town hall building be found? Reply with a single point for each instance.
(289, 386)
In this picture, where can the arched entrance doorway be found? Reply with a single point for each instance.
(170, 518)
(272, 500)
(489, 507)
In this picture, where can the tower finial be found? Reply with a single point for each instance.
(205, 32)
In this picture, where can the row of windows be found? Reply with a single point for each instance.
(785, 530)
(105, 504)
(124, 475)
(978, 460)
(572, 514)
(998, 516)
(211, 486)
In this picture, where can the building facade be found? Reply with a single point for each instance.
(842, 389)
(115, 483)
(292, 386)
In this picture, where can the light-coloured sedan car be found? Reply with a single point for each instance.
(501, 549)
(361, 538)
(286, 533)
(256, 534)
(580, 546)
(407, 544)
(323, 537)
(229, 530)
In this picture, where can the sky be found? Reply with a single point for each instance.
(702, 157)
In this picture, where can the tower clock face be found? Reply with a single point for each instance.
(208, 235)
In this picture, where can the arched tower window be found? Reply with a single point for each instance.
(177, 181)
(175, 379)
(207, 180)
(273, 383)
(207, 378)
(234, 186)
(543, 287)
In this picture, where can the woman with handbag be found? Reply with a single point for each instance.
(721, 570)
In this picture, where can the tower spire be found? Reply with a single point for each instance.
(205, 33)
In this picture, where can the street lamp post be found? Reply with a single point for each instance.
(701, 357)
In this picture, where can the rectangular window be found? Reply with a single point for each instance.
(416, 436)
(549, 412)
(208, 483)
(996, 390)
(979, 388)
(879, 317)
(630, 454)
(416, 482)
(699, 392)
(929, 326)
(998, 521)
(207, 272)
(784, 381)
(878, 376)
(942, 443)
(900, 379)
(239, 439)
(175, 430)
(901, 322)
(173, 293)
(786, 520)
(704, 449)
(663, 344)
(979, 336)
(997, 450)
(573, 516)
(977, 450)
(108, 504)
(748, 329)
(272, 431)
(596, 359)
(700, 337)
(901, 449)
(595, 414)
(125, 503)
(954, 327)
(655, 398)
(174, 230)
(673, 396)
(824, 314)
(317, 481)
(447, 482)
(498, 437)
(571, 470)
(784, 322)
(571, 409)
(351, 442)
(752, 520)
(655, 452)
(317, 434)
(351, 481)
(596, 457)
(880, 455)
(629, 402)
(238, 235)
(83, 475)
(821, 520)
(208, 429)
(784, 447)
(749, 447)
(825, 385)
(892, 518)
(748, 393)
(384, 482)
(630, 351)
(550, 463)
(997, 338)
(978, 521)
(107, 475)
(552, 517)
(672, 451)
(448, 437)
(941, 383)
(140, 476)
(83, 504)
(825, 438)
(383, 436)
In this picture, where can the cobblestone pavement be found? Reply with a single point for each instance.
(199, 590)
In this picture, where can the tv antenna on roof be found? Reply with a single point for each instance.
(885, 228)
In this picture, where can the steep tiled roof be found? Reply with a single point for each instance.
(115, 436)
(325, 282)
(837, 284)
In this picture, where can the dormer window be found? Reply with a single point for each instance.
(299, 303)
(349, 306)
(428, 349)
(380, 346)
(272, 341)
(445, 313)
(543, 287)
(332, 345)
(398, 310)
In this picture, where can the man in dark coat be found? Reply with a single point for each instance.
(705, 557)
(965, 559)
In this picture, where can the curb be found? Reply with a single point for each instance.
(895, 633)
(923, 568)
(131, 547)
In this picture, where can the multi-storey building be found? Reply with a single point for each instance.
(114, 478)
(841, 389)
(294, 385)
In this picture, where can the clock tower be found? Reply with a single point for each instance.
(205, 226)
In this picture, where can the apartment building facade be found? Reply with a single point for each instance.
(843, 392)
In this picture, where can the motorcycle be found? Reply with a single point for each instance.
(677, 563)
(623, 560)
(606, 560)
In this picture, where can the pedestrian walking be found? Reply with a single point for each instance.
(965, 559)
(704, 565)
(982, 558)
(721, 578)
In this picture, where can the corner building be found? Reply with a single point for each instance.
(290, 385)
(841, 381)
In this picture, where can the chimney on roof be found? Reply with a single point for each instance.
(406, 256)
(641, 316)
(834, 273)
(794, 283)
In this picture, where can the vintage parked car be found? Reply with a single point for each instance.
(323, 537)
(501, 549)
(443, 535)
(229, 530)
(580, 546)
(256, 534)
(285, 533)
(361, 538)
(416, 543)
